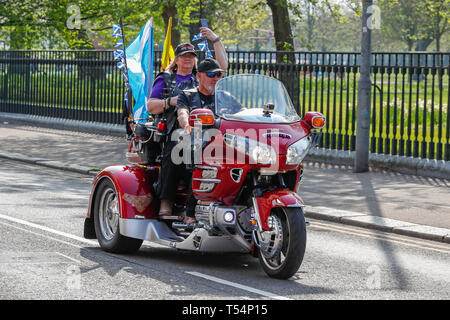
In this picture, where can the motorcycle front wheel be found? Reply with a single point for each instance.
(291, 228)
(106, 221)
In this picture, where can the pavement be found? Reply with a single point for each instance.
(410, 205)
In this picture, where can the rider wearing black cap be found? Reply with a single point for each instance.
(209, 72)
(178, 76)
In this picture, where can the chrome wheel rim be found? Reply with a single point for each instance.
(109, 214)
(277, 260)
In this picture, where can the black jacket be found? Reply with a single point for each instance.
(193, 99)
(189, 99)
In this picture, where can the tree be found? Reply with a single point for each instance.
(417, 23)
(241, 18)
(170, 10)
(75, 24)
(439, 13)
(281, 25)
(323, 26)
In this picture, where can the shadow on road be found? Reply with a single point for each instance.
(366, 187)
(169, 266)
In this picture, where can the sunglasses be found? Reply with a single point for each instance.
(187, 56)
(213, 74)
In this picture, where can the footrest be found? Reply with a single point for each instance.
(177, 217)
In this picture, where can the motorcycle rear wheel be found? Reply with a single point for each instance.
(288, 260)
(106, 221)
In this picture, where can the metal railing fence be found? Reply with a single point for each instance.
(410, 96)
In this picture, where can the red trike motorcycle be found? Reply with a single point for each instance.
(246, 161)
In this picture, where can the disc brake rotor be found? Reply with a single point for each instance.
(271, 241)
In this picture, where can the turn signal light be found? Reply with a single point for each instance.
(318, 122)
(314, 120)
(206, 119)
(203, 116)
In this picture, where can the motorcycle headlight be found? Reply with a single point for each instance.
(258, 152)
(297, 151)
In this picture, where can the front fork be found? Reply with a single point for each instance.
(268, 233)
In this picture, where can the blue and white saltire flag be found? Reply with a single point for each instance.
(118, 55)
(139, 55)
(120, 65)
(197, 37)
(116, 30)
(203, 46)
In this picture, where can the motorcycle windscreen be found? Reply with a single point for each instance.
(254, 98)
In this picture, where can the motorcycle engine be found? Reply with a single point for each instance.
(244, 219)
(203, 214)
(213, 217)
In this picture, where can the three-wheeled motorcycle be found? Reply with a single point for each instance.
(246, 159)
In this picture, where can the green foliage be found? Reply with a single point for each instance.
(416, 23)
(87, 24)
(319, 24)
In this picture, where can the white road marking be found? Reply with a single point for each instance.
(67, 257)
(40, 234)
(35, 263)
(383, 237)
(239, 286)
(60, 233)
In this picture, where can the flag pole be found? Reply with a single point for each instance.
(150, 63)
(125, 72)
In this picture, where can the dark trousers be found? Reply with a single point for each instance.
(169, 178)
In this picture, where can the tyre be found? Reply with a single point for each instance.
(106, 221)
(286, 258)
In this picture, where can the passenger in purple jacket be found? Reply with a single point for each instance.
(181, 73)
(184, 64)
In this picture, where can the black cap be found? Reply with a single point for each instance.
(184, 48)
(209, 65)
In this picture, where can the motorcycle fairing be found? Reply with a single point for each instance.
(279, 136)
(134, 186)
(274, 199)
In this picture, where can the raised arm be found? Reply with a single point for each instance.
(219, 49)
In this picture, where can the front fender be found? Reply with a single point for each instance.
(134, 186)
(274, 199)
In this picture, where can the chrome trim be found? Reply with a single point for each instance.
(205, 190)
(279, 134)
(131, 154)
(296, 205)
(148, 229)
(238, 174)
(207, 180)
(109, 213)
(229, 139)
(200, 240)
(258, 217)
(206, 168)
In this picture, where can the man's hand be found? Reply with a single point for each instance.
(208, 34)
(183, 119)
(188, 129)
(174, 101)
